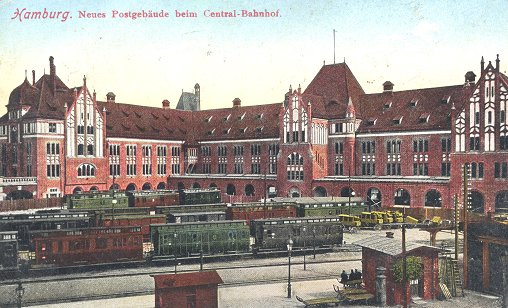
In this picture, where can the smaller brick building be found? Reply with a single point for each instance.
(196, 290)
(378, 251)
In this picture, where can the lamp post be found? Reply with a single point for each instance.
(290, 247)
(113, 202)
(304, 248)
(351, 194)
(20, 291)
(314, 241)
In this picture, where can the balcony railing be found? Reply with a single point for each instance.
(18, 181)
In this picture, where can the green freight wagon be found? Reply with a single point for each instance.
(327, 206)
(189, 239)
(200, 196)
(97, 200)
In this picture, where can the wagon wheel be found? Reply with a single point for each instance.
(378, 227)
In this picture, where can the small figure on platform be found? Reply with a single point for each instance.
(343, 277)
(358, 274)
(351, 276)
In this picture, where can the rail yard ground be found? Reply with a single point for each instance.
(247, 283)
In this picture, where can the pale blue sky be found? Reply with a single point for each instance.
(411, 43)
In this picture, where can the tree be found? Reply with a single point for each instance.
(414, 269)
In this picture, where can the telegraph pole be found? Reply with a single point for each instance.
(334, 46)
(465, 187)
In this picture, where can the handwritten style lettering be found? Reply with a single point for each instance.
(44, 14)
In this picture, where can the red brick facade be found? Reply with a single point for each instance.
(393, 148)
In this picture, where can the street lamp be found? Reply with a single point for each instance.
(290, 247)
(351, 194)
(20, 291)
(304, 248)
(113, 202)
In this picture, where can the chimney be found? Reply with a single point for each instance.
(94, 96)
(165, 104)
(110, 97)
(33, 77)
(387, 86)
(469, 78)
(52, 74)
(237, 102)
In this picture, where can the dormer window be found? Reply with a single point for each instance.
(445, 99)
(259, 116)
(397, 120)
(259, 129)
(387, 105)
(243, 130)
(227, 117)
(413, 103)
(424, 118)
(207, 120)
(241, 117)
(211, 132)
(371, 121)
(226, 131)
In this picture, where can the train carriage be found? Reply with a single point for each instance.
(191, 208)
(153, 198)
(88, 246)
(41, 220)
(327, 206)
(200, 196)
(97, 200)
(210, 238)
(260, 210)
(196, 216)
(315, 231)
(136, 220)
(8, 249)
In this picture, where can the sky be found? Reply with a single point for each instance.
(414, 44)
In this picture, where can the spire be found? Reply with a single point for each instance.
(497, 63)
(482, 62)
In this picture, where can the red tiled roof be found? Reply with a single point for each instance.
(133, 121)
(411, 107)
(243, 122)
(187, 279)
(330, 91)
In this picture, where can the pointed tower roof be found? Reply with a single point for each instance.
(331, 90)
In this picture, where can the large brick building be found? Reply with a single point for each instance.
(331, 139)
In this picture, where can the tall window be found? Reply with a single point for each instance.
(222, 152)
(130, 159)
(295, 167)
(52, 160)
(175, 160)
(161, 159)
(420, 157)
(86, 170)
(368, 157)
(338, 158)
(501, 170)
(146, 159)
(273, 151)
(238, 159)
(393, 157)
(28, 159)
(114, 159)
(446, 147)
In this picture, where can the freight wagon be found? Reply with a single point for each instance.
(200, 196)
(153, 198)
(260, 210)
(209, 238)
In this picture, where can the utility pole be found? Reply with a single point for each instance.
(404, 267)
(465, 206)
(334, 46)
(456, 227)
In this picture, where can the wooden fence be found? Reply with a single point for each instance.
(29, 204)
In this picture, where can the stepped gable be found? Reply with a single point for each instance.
(133, 121)
(330, 91)
(411, 110)
(238, 122)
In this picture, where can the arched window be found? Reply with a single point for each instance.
(161, 185)
(81, 149)
(502, 202)
(320, 191)
(196, 185)
(89, 149)
(402, 197)
(433, 198)
(231, 190)
(477, 202)
(86, 170)
(131, 187)
(249, 190)
(146, 186)
(374, 197)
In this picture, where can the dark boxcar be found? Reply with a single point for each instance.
(260, 210)
(8, 249)
(312, 231)
(200, 196)
(153, 198)
(192, 208)
(196, 216)
(97, 200)
(88, 246)
(41, 220)
(211, 238)
(327, 206)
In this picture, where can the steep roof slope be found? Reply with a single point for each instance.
(331, 89)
